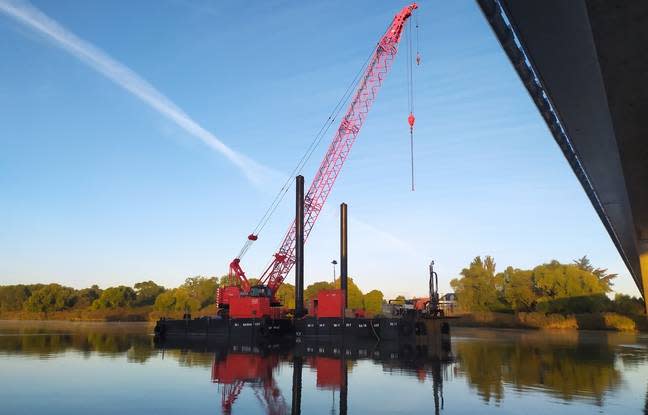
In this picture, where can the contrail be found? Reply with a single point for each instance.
(28, 15)
(385, 238)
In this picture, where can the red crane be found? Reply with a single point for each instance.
(369, 84)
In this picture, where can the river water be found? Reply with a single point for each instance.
(116, 368)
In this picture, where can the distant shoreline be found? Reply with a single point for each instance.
(4, 323)
(522, 321)
(541, 321)
(119, 314)
(143, 314)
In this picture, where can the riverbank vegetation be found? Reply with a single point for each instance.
(551, 295)
(145, 300)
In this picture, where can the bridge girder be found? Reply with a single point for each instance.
(585, 65)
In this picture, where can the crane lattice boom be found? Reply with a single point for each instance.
(319, 190)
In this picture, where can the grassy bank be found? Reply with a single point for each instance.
(589, 321)
(125, 314)
(106, 315)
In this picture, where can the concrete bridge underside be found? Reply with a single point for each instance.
(585, 65)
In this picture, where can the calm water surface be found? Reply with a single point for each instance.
(74, 368)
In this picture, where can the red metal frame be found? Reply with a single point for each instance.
(237, 369)
(329, 372)
(237, 272)
(337, 153)
(249, 307)
(330, 303)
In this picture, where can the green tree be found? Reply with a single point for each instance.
(519, 289)
(373, 302)
(12, 297)
(584, 263)
(311, 291)
(399, 300)
(165, 301)
(286, 295)
(354, 294)
(627, 305)
(479, 289)
(52, 297)
(115, 297)
(568, 288)
(605, 278)
(201, 289)
(87, 296)
(177, 299)
(556, 280)
(225, 281)
(146, 292)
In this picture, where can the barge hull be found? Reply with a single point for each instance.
(240, 328)
(307, 327)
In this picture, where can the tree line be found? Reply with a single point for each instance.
(194, 295)
(553, 287)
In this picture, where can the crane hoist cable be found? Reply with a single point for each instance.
(410, 91)
(418, 54)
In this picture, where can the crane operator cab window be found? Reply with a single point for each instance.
(260, 291)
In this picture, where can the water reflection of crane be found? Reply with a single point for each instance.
(424, 366)
(332, 374)
(234, 370)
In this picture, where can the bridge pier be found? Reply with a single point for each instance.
(643, 259)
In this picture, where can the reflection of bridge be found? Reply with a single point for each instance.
(585, 64)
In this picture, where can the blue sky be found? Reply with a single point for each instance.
(100, 185)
